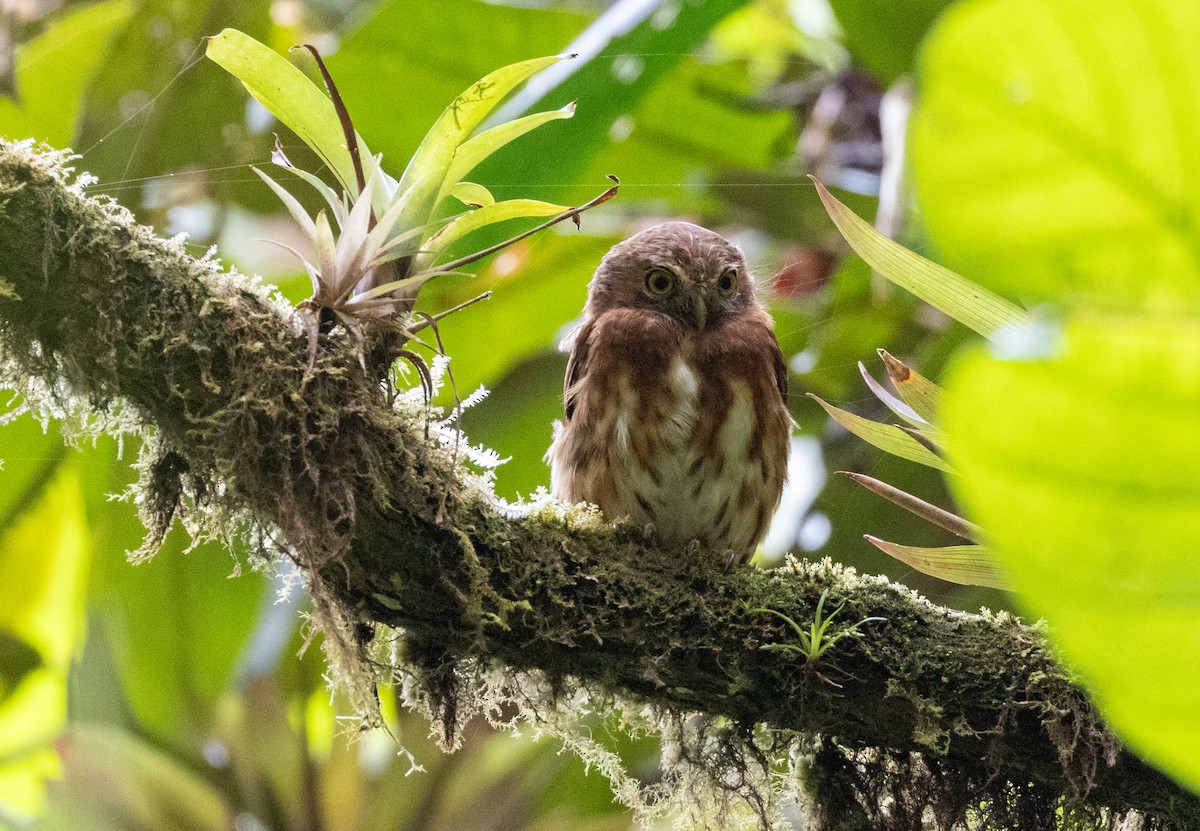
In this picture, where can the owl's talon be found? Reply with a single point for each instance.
(648, 531)
(693, 548)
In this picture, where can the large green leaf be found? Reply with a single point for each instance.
(1054, 153)
(608, 87)
(53, 71)
(1085, 471)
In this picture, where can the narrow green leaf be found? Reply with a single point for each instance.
(292, 204)
(427, 171)
(289, 95)
(472, 195)
(482, 217)
(473, 151)
(887, 437)
(966, 302)
(917, 391)
(925, 510)
(967, 565)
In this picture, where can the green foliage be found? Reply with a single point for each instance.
(812, 643)
(961, 299)
(1057, 168)
(1053, 149)
(1051, 163)
(1083, 468)
(885, 36)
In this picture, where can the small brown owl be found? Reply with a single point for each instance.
(675, 395)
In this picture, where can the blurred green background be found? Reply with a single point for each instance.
(162, 695)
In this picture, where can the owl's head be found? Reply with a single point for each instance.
(690, 273)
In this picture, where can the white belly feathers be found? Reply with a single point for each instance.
(690, 490)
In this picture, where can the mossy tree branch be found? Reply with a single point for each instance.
(396, 534)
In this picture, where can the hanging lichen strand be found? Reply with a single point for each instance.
(932, 716)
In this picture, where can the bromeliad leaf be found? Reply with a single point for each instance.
(289, 95)
(900, 408)
(387, 237)
(472, 195)
(887, 437)
(427, 172)
(293, 205)
(918, 392)
(967, 565)
(474, 150)
(966, 302)
(488, 215)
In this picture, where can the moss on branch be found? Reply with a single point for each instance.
(932, 710)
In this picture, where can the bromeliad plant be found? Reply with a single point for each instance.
(391, 233)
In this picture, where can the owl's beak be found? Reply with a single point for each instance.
(700, 304)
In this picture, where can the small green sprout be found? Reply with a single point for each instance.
(814, 642)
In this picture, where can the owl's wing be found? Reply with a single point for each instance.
(576, 368)
(781, 370)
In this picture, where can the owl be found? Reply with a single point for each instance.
(675, 410)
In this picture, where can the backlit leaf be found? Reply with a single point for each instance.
(887, 437)
(917, 391)
(1061, 167)
(289, 95)
(1085, 470)
(966, 302)
(967, 565)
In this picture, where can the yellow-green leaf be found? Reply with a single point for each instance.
(965, 301)
(488, 215)
(1060, 166)
(427, 172)
(43, 566)
(473, 195)
(917, 391)
(290, 96)
(967, 565)
(1085, 469)
(474, 150)
(887, 437)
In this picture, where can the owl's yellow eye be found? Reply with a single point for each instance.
(660, 281)
(727, 283)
